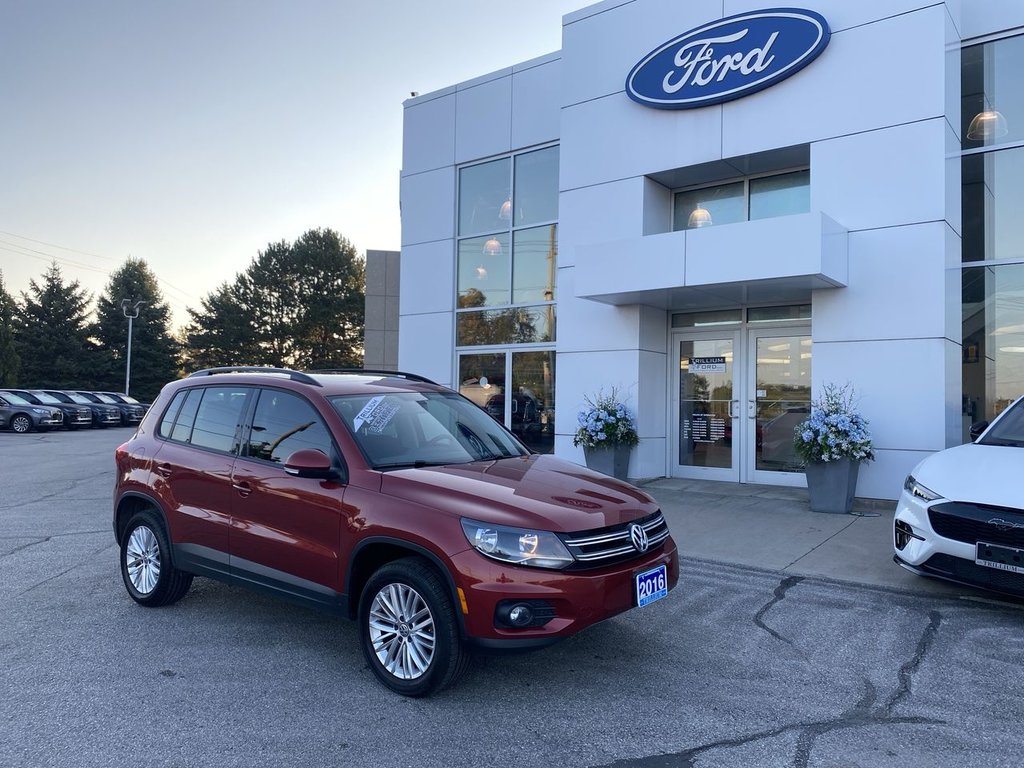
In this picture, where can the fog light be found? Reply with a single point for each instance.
(904, 534)
(520, 615)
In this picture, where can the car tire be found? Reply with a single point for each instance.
(408, 629)
(21, 423)
(149, 575)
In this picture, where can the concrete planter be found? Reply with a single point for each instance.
(609, 461)
(831, 485)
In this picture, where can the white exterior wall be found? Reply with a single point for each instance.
(882, 136)
(878, 148)
(444, 129)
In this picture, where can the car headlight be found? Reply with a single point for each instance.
(41, 411)
(919, 491)
(520, 546)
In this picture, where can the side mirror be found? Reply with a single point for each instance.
(309, 462)
(977, 428)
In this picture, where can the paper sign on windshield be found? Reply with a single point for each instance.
(376, 414)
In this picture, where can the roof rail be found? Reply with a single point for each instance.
(377, 372)
(293, 375)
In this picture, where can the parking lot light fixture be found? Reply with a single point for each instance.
(131, 315)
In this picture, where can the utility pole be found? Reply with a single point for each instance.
(125, 303)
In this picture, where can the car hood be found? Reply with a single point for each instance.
(980, 474)
(537, 491)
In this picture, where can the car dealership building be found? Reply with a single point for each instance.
(717, 209)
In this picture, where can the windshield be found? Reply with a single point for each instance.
(45, 398)
(15, 399)
(126, 399)
(78, 398)
(105, 398)
(1008, 429)
(418, 429)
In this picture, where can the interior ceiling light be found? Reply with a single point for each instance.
(492, 247)
(988, 124)
(506, 211)
(1015, 350)
(1005, 329)
(481, 272)
(701, 217)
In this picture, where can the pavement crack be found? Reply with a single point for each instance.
(780, 594)
(26, 546)
(72, 485)
(863, 713)
(911, 666)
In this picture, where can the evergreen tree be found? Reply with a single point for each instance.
(154, 350)
(9, 360)
(53, 336)
(298, 305)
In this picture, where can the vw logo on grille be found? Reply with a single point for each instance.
(639, 537)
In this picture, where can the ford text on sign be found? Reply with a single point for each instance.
(729, 58)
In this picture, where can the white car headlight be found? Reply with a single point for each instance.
(919, 491)
(41, 411)
(520, 546)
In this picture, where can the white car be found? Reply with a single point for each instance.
(961, 514)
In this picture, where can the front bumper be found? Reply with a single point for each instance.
(929, 554)
(578, 598)
(53, 420)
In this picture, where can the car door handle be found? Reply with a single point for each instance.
(244, 489)
(164, 469)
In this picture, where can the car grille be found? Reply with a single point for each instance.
(962, 570)
(606, 546)
(972, 523)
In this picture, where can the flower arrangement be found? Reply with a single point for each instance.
(834, 430)
(605, 423)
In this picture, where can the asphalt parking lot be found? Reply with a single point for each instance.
(738, 666)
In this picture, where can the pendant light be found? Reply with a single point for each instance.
(701, 217)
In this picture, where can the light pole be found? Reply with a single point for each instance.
(125, 303)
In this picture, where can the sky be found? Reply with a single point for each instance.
(192, 133)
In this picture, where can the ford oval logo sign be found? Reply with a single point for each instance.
(729, 58)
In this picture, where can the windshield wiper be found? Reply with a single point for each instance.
(1004, 442)
(411, 464)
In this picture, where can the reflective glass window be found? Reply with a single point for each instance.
(482, 380)
(284, 423)
(182, 430)
(536, 187)
(781, 195)
(532, 399)
(515, 325)
(993, 197)
(217, 418)
(709, 206)
(992, 100)
(993, 340)
(534, 264)
(483, 271)
(707, 319)
(167, 422)
(483, 191)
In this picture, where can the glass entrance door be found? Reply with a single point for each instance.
(739, 395)
(706, 406)
(778, 399)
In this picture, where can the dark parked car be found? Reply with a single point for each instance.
(75, 416)
(130, 414)
(102, 415)
(385, 498)
(19, 415)
(121, 397)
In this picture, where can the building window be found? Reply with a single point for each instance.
(992, 120)
(507, 261)
(761, 197)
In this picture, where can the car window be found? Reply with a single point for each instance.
(284, 423)
(1009, 430)
(167, 422)
(15, 400)
(423, 428)
(182, 430)
(217, 419)
(43, 397)
(105, 399)
(75, 397)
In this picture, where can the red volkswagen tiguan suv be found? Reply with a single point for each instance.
(386, 498)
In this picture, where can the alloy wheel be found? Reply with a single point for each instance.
(402, 631)
(21, 424)
(142, 559)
